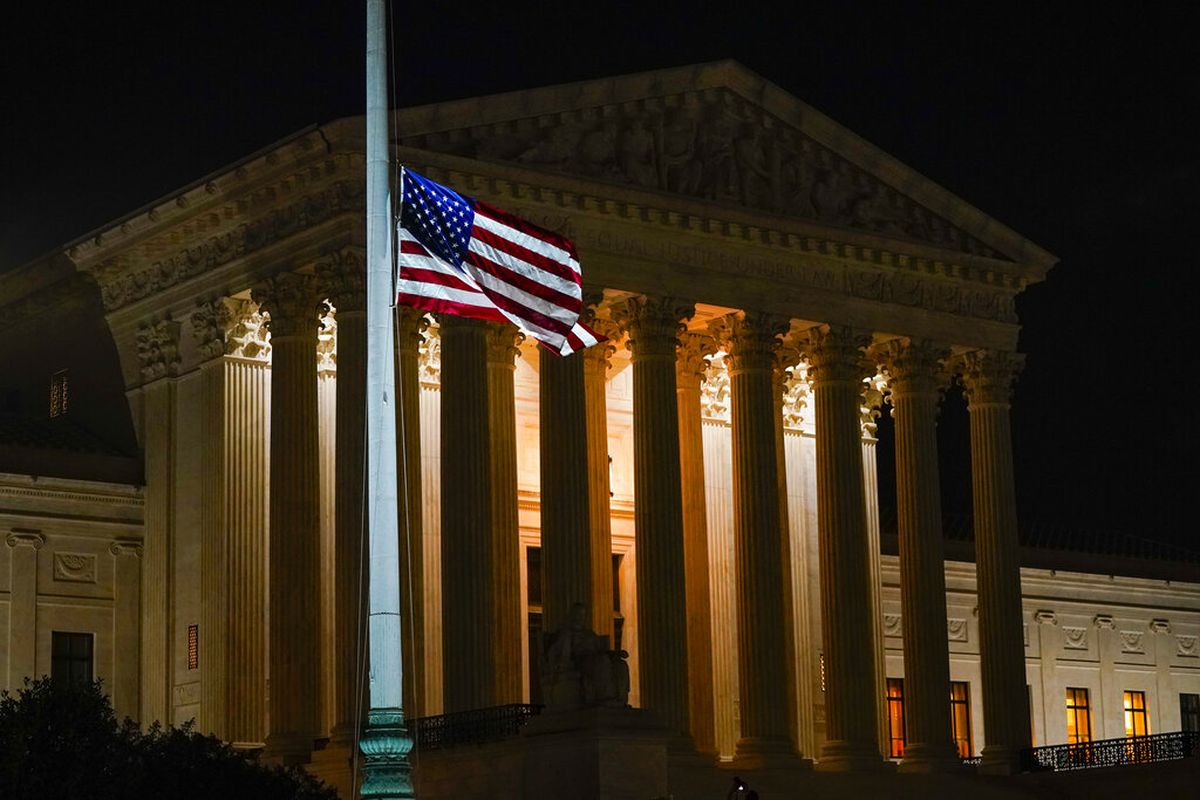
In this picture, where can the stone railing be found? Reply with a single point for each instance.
(1112, 752)
(471, 727)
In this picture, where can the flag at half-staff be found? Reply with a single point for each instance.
(460, 256)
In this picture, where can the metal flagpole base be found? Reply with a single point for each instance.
(385, 745)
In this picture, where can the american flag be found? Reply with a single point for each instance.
(463, 257)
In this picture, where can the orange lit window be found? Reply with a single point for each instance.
(895, 708)
(1135, 714)
(960, 717)
(193, 653)
(1079, 716)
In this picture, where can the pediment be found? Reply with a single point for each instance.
(720, 133)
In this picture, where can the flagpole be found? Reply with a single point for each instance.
(385, 742)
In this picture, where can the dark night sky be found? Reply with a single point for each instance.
(1069, 124)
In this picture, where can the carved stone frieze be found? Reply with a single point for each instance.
(327, 342)
(892, 626)
(158, 349)
(956, 629)
(124, 280)
(1187, 646)
(1074, 638)
(1131, 642)
(712, 145)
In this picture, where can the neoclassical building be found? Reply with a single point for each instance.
(704, 482)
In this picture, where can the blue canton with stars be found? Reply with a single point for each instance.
(438, 217)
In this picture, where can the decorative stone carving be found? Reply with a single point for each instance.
(75, 567)
(1074, 638)
(891, 625)
(1131, 642)
(579, 670)
(751, 339)
(989, 375)
(1045, 617)
(342, 276)
(837, 353)
(126, 547)
(874, 394)
(956, 629)
(327, 342)
(25, 539)
(289, 301)
(713, 145)
(653, 324)
(694, 355)
(714, 391)
(1104, 621)
(429, 364)
(158, 349)
(1160, 626)
(503, 343)
(122, 283)
(230, 326)
(797, 393)
(1186, 646)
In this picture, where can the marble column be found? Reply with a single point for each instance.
(289, 299)
(410, 332)
(690, 367)
(913, 368)
(871, 400)
(596, 361)
(503, 340)
(343, 280)
(988, 378)
(158, 353)
(127, 571)
(785, 358)
(837, 367)
(654, 324)
(231, 344)
(567, 544)
(22, 605)
(329, 636)
(468, 635)
(751, 340)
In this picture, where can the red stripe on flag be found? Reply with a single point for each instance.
(439, 306)
(555, 268)
(512, 278)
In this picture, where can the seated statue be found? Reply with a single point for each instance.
(578, 668)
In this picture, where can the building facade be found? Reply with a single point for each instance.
(704, 482)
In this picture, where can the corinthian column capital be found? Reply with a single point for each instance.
(158, 348)
(290, 301)
(836, 354)
(989, 375)
(653, 324)
(692, 357)
(342, 277)
(912, 366)
(751, 338)
(503, 342)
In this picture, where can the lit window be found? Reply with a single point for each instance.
(193, 655)
(895, 709)
(960, 717)
(1079, 717)
(71, 657)
(1189, 712)
(1135, 714)
(59, 393)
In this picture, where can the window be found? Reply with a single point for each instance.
(1189, 712)
(193, 654)
(895, 714)
(59, 393)
(960, 717)
(71, 656)
(533, 598)
(1135, 714)
(1079, 717)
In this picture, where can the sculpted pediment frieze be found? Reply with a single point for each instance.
(712, 145)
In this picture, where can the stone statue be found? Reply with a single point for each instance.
(578, 668)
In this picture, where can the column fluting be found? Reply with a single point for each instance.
(294, 512)
(751, 340)
(503, 340)
(837, 367)
(468, 636)
(913, 368)
(596, 361)
(988, 378)
(654, 324)
(690, 367)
